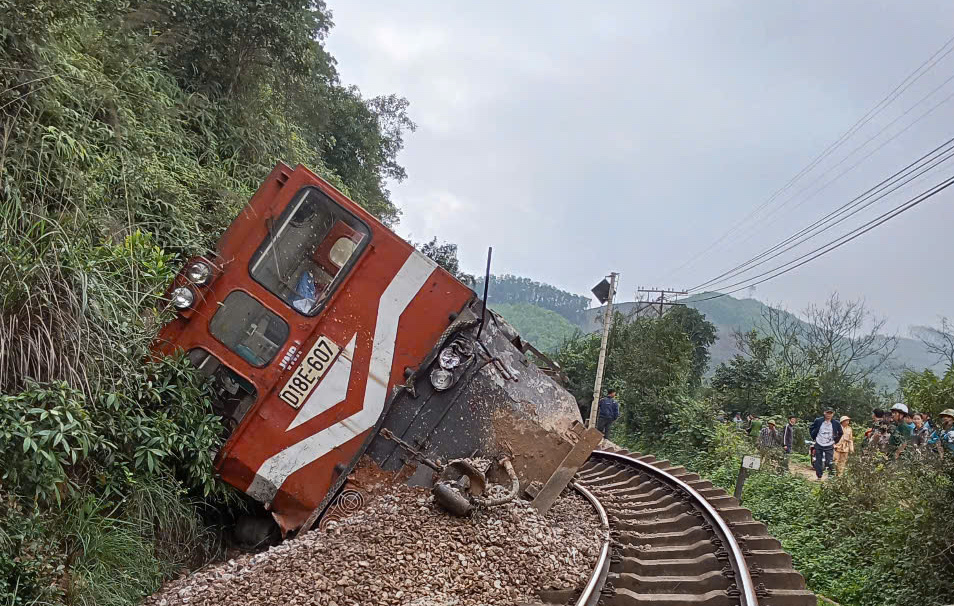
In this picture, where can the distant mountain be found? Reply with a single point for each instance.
(730, 314)
(546, 315)
(546, 329)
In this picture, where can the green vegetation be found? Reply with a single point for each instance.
(732, 317)
(648, 361)
(546, 329)
(878, 535)
(513, 290)
(130, 136)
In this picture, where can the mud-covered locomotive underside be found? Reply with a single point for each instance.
(501, 403)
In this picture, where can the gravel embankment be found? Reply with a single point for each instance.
(401, 549)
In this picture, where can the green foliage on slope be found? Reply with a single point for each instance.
(512, 290)
(130, 136)
(546, 329)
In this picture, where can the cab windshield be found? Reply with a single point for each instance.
(307, 250)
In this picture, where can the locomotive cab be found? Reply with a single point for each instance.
(314, 323)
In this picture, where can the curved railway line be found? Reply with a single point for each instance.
(677, 539)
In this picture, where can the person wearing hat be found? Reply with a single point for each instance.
(845, 445)
(943, 438)
(826, 432)
(901, 432)
(768, 436)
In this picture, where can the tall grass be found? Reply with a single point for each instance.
(117, 554)
(129, 139)
(101, 189)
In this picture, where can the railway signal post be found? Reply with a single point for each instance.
(605, 292)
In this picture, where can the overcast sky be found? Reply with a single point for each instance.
(630, 136)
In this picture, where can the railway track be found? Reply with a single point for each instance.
(677, 539)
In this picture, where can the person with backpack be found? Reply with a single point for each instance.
(768, 436)
(826, 432)
(874, 434)
(943, 437)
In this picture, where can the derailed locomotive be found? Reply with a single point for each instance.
(319, 327)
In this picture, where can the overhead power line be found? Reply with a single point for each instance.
(834, 244)
(899, 179)
(775, 210)
(899, 89)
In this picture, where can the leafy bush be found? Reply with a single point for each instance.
(130, 136)
(649, 361)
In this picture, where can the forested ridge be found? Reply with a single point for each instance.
(513, 290)
(130, 136)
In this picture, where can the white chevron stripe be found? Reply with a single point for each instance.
(397, 296)
(332, 389)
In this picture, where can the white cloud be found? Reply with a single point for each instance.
(629, 136)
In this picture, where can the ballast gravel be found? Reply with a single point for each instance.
(402, 549)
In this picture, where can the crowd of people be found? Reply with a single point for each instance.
(895, 433)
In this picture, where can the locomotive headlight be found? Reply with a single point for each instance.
(182, 298)
(199, 273)
(449, 358)
(441, 379)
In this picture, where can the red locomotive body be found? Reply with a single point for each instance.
(311, 319)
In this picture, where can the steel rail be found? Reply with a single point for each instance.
(748, 596)
(592, 591)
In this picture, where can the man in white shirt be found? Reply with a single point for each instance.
(826, 432)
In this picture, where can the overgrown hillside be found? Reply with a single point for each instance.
(546, 329)
(130, 135)
(512, 290)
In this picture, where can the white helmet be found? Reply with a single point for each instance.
(900, 407)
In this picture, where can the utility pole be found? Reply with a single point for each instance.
(605, 293)
(662, 300)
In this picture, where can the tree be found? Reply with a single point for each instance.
(654, 360)
(445, 255)
(701, 334)
(926, 392)
(840, 338)
(228, 47)
(938, 340)
(846, 338)
(741, 385)
(371, 132)
(793, 395)
(648, 361)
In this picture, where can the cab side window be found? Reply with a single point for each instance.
(308, 248)
(244, 325)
